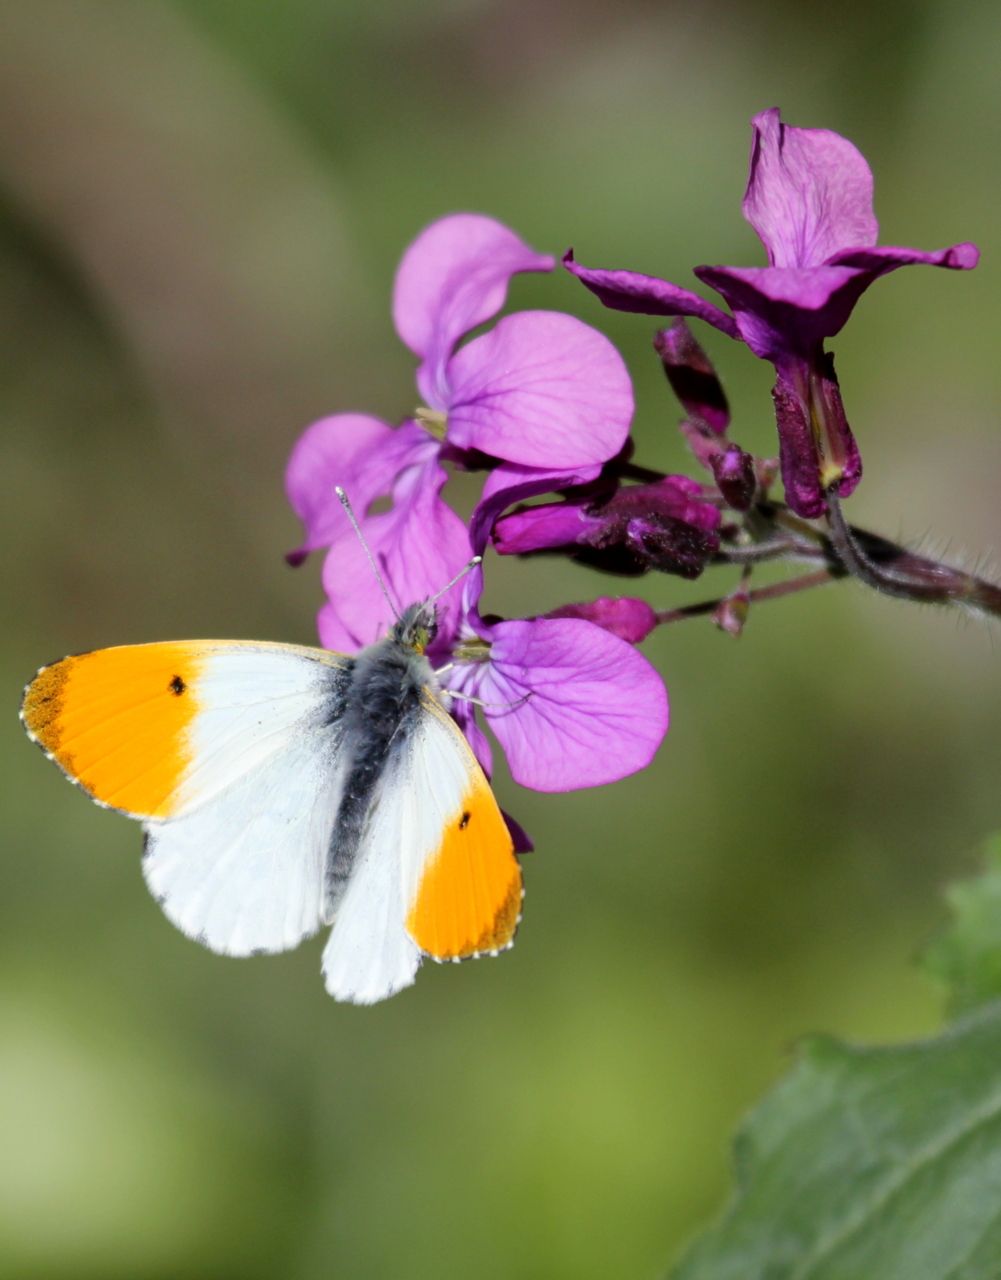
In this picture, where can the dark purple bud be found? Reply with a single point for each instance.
(295, 558)
(667, 525)
(624, 616)
(817, 450)
(735, 477)
(703, 444)
(692, 376)
(672, 546)
(674, 497)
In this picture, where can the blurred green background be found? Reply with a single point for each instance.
(203, 206)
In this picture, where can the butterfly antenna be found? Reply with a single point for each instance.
(458, 577)
(342, 498)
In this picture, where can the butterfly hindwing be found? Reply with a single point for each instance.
(436, 873)
(243, 873)
(465, 887)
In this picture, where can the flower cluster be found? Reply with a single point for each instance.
(542, 404)
(809, 198)
(540, 400)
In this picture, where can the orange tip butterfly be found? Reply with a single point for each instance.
(283, 788)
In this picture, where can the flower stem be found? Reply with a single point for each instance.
(893, 570)
(772, 592)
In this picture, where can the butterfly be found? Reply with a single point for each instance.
(282, 788)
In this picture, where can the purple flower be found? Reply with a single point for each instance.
(539, 390)
(809, 198)
(572, 703)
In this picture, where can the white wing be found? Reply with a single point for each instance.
(370, 955)
(435, 874)
(155, 730)
(240, 867)
(243, 873)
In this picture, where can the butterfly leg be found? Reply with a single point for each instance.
(487, 706)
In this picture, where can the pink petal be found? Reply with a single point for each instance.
(541, 389)
(596, 710)
(631, 291)
(883, 258)
(550, 524)
(332, 632)
(453, 277)
(464, 714)
(809, 193)
(419, 545)
(355, 451)
(783, 310)
(510, 483)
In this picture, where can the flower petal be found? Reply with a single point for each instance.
(809, 193)
(596, 710)
(452, 278)
(787, 310)
(464, 714)
(333, 633)
(355, 451)
(546, 526)
(540, 389)
(630, 291)
(510, 483)
(505, 486)
(419, 545)
(883, 258)
(783, 310)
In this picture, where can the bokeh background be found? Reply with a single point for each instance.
(203, 203)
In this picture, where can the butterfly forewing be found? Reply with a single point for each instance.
(155, 730)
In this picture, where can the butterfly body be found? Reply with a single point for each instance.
(379, 706)
(282, 788)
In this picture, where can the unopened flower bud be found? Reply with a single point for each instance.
(624, 616)
(735, 477)
(692, 376)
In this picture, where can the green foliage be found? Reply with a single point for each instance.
(881, 1162)
(967, 957)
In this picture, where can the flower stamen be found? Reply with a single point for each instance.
(434, 421)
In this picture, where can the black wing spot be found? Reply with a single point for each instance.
(177, 686)
(464, 821)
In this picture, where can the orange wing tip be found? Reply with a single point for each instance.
(469, 899)
(497, 937)
(116, 724)
(493, 953)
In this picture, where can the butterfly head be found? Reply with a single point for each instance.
(417, 626)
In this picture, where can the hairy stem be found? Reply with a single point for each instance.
(895, 571)
(772, 592)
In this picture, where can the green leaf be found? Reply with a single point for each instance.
(882, 1163)
(967, 957)
(870, 1164)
